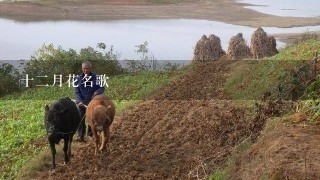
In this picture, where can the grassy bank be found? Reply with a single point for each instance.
(255, 77)
(251, 79)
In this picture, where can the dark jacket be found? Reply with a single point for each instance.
(83, 90)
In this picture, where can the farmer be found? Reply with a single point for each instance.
(86, 87)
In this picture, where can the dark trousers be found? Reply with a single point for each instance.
(82, 125)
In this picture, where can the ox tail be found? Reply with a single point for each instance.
(104, 141)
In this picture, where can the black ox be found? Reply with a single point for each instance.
(61, 120)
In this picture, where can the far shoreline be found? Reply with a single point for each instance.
(226, 11)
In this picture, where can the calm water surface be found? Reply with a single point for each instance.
(168, 39)
(286, 8)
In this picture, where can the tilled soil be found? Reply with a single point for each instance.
(163, 139)
(205, 82)
(191, 134)
(287, 151)
(187, 135)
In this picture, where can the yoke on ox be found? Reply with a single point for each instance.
(61, 120)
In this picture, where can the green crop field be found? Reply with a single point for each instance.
(22, 114)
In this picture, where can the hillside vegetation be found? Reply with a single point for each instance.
(286, 148)
(198, 106)
(291, 67)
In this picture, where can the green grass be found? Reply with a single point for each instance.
(220, 175)
(21, 122)
(302, 51)
(233, 160)
(252, 78)
(22, 114)
(122, 87)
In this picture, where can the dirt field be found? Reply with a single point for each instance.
(219, 10)
(188, 137)
(286, 151)
(189, 130)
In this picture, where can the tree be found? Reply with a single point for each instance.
(50, 61)
(10, 80)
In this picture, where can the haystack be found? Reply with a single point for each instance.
(272, 46)
(262, 45)
(238, 48)
(208, 49)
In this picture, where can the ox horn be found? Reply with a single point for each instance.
(103, 141)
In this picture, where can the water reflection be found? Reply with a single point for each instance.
(168, 39)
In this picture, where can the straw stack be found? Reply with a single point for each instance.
(208, 49)
(262, 45)
(238, 48)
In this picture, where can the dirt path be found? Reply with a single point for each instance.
(219, 10)
(185, 138)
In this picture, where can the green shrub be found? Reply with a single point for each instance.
(10, 79)
(49, 61)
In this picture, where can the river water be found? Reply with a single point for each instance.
(167, 39)
(285, 8)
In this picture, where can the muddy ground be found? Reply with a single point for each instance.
(183, 136)
(188, 131)
(228, 11)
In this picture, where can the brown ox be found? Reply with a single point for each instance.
(99, 115)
